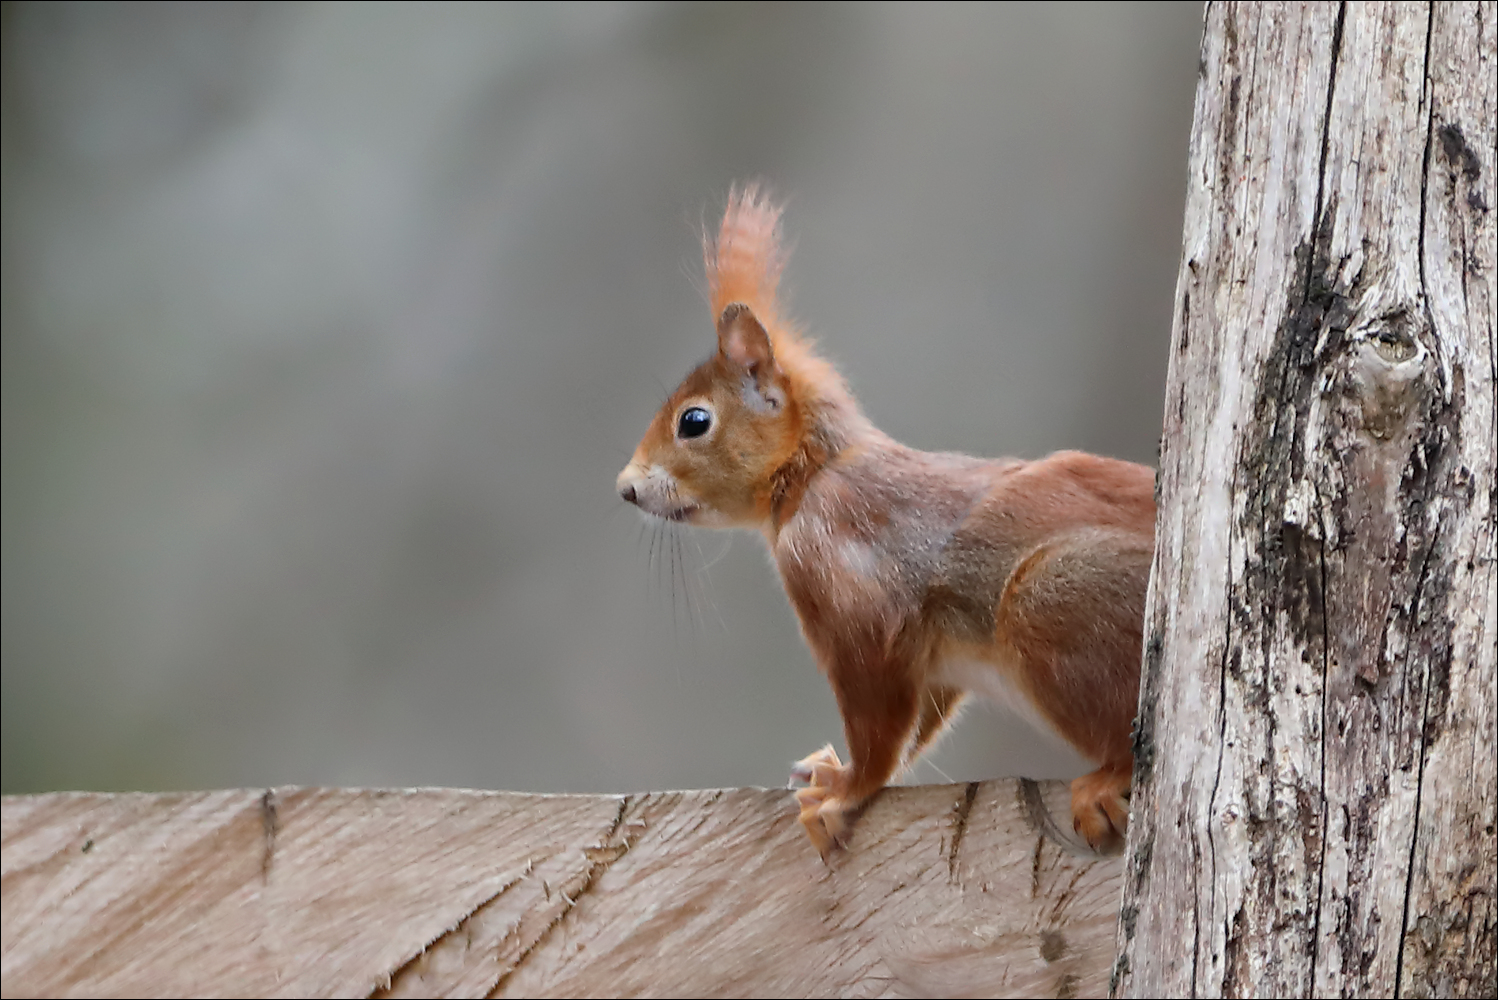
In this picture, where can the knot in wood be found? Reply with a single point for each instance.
(1388, 374)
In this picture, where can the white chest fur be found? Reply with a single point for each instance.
(995, 684)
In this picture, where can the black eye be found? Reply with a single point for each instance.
(693, 422)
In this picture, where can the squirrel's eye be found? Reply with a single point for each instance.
(693, 422)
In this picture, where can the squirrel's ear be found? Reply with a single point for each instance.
(742, 340)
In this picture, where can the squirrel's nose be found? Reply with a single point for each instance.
(627, 491)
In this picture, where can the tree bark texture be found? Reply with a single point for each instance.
(953, 891)
(1315, 804)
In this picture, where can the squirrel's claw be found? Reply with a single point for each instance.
(823, 812)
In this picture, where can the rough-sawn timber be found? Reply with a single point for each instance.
(952, 890)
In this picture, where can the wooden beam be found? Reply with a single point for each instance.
(951, 890)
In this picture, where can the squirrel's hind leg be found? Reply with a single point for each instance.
(1071, 616)
(1100, 807)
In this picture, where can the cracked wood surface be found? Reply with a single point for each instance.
(954, 890)
(1316, 788)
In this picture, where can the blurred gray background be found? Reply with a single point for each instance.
(326, 329)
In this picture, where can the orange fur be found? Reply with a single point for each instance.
(918, 578)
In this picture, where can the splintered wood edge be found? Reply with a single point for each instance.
(947, 890)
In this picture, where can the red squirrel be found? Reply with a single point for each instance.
(919, 577)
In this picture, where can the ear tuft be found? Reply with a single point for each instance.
(744, 261)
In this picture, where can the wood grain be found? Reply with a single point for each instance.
(1316, 782)
(946, 891)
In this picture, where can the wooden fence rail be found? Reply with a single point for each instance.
(955, 890)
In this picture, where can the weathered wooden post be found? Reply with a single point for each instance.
(1315, 798)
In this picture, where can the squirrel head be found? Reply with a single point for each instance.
(721, 446)
(713, 449)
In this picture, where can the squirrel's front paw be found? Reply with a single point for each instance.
(1100, 808)
(825, 817)
(821, 768)
(823, 813)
